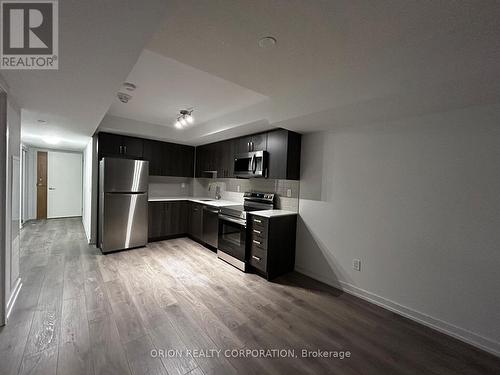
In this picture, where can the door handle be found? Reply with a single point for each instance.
(252, 163)
(52, 188)
(256, 258)
(256, 231)
(256, 242)
(257, 221)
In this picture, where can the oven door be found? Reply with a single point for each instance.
(232, 240)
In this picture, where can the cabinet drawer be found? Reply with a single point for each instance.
(258, 258)
(258, 232)
(259, 224)
(259, 221)
(258, 243)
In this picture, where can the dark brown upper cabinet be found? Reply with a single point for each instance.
(255, 142)
(169, 159)
(283, 148)
(165, 159)
(215, 159)
(116, 145)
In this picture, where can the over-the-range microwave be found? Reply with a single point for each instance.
(251, 164)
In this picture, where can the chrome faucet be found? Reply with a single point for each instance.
(217, 190)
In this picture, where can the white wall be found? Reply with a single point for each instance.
(418, 201)
(87, 190)
(32, 175)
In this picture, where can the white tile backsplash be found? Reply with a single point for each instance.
(229, 189)
(206, 187)
(160, 186)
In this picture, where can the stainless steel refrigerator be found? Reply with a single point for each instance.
(123, 204)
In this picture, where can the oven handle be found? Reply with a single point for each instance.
(233, 220)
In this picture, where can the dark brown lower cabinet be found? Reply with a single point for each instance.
(167, 219)
(271, 244)
(196, 221)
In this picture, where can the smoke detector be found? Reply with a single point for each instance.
(124, 97)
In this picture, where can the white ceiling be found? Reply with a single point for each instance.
(336, 62)
(100, 42)
(165, 86)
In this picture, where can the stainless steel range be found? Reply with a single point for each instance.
(232, 246)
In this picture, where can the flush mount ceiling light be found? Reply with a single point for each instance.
(51, 140)
(267, 42)
(184, 118)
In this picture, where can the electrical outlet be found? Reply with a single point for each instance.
(289, 193)
(356, 265)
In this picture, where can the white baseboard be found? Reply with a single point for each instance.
(459, 333)
(12, 299)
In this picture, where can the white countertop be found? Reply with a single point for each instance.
(221, 203)
(272, 213)
(212, 202)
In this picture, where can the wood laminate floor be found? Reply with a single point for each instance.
(81, 312)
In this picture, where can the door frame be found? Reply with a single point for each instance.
(24, 185)
(41, 212)
(3, 204)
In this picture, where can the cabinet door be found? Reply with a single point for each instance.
(179, 160)
(175, 219)
(132, 147)
(153, 154)
(170, 159)
(186, 162)
(277, 148)
(196, 221)
(227, 159)
(201, 153)
(217, 158)
(259, 142)
(110, 144)
(183, 217)
(242, 144)
(213, 157)
(156, 219)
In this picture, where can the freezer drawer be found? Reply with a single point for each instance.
(124, 175)
(125, 223)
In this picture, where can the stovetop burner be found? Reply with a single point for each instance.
(253, 201)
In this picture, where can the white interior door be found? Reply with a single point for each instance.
(64, 180)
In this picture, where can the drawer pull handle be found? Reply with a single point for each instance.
(256, 258)
(257, 221)
(257, 242)
(256, 231)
